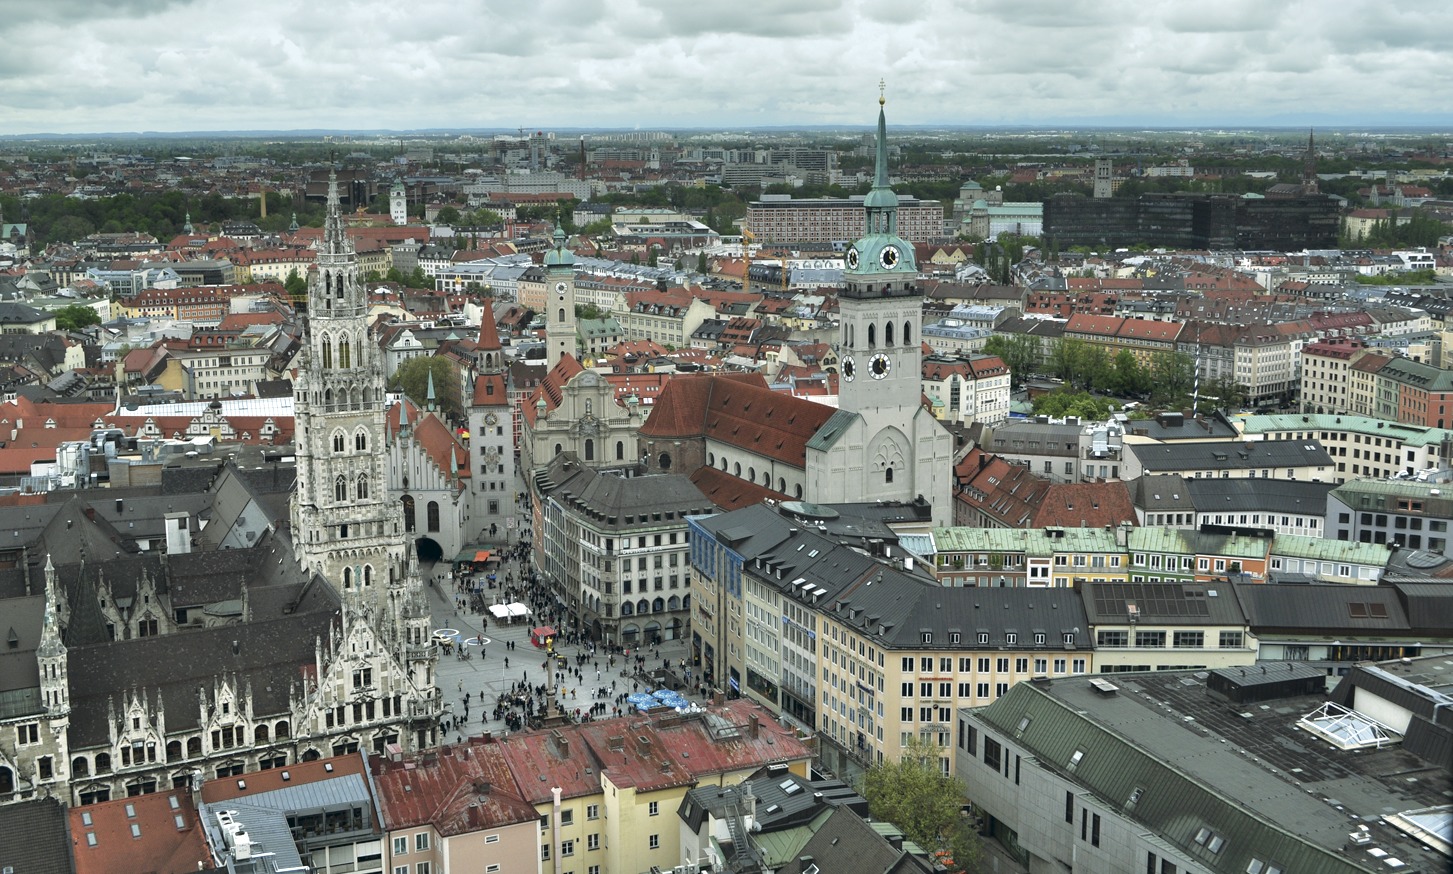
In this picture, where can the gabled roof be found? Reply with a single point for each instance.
(157, 832)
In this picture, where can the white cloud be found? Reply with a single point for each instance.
(72, 65)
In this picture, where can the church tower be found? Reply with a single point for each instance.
(398, 204)
(905, 452)
(492, 435)
(560, 301)
(345, 526)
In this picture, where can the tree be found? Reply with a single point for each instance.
(1065, 402)
(916, 796)
(1172, 375)
(701, 263)
(417, 278)
(76, 316)
(296, 286)
(447, 216)
(1130, 377)
(1019, 351)
(412, 377)
(1228, 393)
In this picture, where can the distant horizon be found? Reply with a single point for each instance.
(1066, 128)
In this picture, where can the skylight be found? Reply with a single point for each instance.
(1346, 729)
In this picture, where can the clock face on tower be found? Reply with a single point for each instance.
(852, 259)
(849, 369)
(889, 257)
(560, 288)
(879, 365)
(490, 419)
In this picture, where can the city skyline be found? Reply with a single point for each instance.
(198, 65)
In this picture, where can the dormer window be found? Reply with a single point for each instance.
(1011, 638)
(983, 637)
(928, 637)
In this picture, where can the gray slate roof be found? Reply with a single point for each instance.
(1221, 455)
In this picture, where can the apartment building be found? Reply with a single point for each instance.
(1414, 515)
(968, 390)
(782, 218)
(1361, 446)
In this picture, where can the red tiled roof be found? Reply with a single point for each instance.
(1085, 505)
(158, 845)
(458, 789)
(729, 492)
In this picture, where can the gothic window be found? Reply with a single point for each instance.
(558, 448)
(338, 442)
(360, 441)
(907, 334)
(327, 397)
(194, 747)
(327, 352)
(367, 575)
(348, 578)
(280, 730)
(433, 516)
(362, 486)
(888, 334)
(620, 451)
(561, 317)
(590, 450)
(888, 475)
(872, 336)
(343, 353)
(409, 522)
(80, 767)
(340, 489)
(259, 734)
(7, 781)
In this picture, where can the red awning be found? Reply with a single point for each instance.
(482, 555)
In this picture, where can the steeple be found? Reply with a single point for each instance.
(429, 395)
(1309, 165)
(560, 314)
(293, 226)
(187, 225)
(50, 655)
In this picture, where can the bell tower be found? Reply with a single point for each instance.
(560, 300)
(881, 307)
(344, 525)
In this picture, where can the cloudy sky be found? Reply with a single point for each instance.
(73, 66)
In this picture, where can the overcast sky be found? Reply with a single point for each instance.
(167, 65)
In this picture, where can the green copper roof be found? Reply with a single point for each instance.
(559, 255)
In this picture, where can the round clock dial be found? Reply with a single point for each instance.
(889, 257)
(560, 288)
(849, 369)
(879, 365)
(491, 419)
(852, 259)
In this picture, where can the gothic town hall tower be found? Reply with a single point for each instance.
(345, 526)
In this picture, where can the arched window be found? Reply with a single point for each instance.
(872, 336)
(589, 450)
(360, 441)
(7, 781)
(338, 442)
(327, 397)
(560, 317)
(782, 484)
(259, 734)
(888, 334)
(658, 605)
(340, 488)
(797, 491)
(620, 450)
(558, 449)
(711, 459)
(194, 747)
(81, 766)
(103, 763)
(367, 575)
(348, 578)
(311, 755)
(907, 334)
(665, 461)
(685, 602)
(723, 462)
(751, 474)
(642, 606)
(888, 475)
(281, 730)
(409, 523)
(737, 469)
(433, 516)
(338, 288)
(627, 609)
(327, 353)
(362, 486)
(344, 353)
(673, 603)
(173, 750)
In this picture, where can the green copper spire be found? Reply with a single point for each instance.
(881, 197)
(429, 396)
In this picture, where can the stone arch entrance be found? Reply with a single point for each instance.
(429, 549)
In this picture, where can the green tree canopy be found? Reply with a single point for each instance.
(1065, 402)
(1019, 351)
(296, 285)
(447, 216)
(1172, 376)
(915, 795)
(412, 377)
(76, 316)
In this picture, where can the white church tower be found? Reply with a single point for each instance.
(560, 297)
(398, 204)
(896, 450)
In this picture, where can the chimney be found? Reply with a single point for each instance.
(643, 745)
(753, 726)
